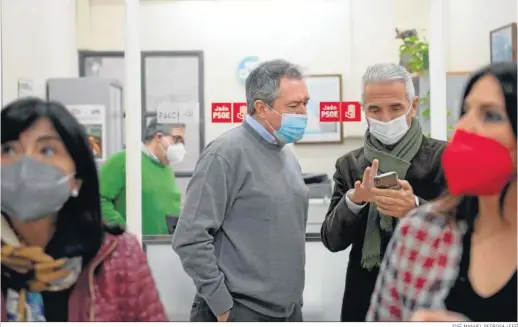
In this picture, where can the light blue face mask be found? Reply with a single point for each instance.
(292, 127)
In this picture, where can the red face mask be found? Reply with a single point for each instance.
(476, 165)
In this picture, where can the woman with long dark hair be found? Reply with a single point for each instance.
(59, 261)
(455, 259)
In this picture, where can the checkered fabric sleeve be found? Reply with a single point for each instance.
(386, 304)
(419, 267)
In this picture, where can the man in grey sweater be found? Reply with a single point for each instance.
(241, 234)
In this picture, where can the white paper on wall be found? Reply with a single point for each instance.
(25, 88)
(178, 112)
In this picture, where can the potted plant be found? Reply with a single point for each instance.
(414, 56)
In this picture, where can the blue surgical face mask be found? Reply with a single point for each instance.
(292, 127)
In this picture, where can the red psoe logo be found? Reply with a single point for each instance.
(351, 112)
(329, 112)
(239, 110)
(221, 112)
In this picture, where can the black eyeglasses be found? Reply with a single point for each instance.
(178, 139)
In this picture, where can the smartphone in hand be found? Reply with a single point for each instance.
(387, 181)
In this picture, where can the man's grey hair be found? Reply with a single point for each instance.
(264, 81)
(387, 72)
(154, 127)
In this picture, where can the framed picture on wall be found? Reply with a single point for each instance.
(322, 88)
(503, 43)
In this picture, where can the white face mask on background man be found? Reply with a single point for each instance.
(175, 153)
(389, 132)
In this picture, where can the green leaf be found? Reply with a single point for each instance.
(412, 39)
(407, 52)
(417, 49)
(426, 112)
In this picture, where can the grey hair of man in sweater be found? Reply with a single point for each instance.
(388, 72)
(264, 81)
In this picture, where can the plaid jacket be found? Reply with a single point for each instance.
(420, 266)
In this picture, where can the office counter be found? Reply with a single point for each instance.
(325, 274)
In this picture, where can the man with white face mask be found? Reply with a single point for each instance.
(161, 197)
(363, 216)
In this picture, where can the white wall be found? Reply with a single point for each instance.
(468, 25)
(470, 22)
(315, 34)
(326, 36)
(413, 14)
(38, 42)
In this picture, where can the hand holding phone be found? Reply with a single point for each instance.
(393, 197)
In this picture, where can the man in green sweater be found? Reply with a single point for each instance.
(161, 196)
